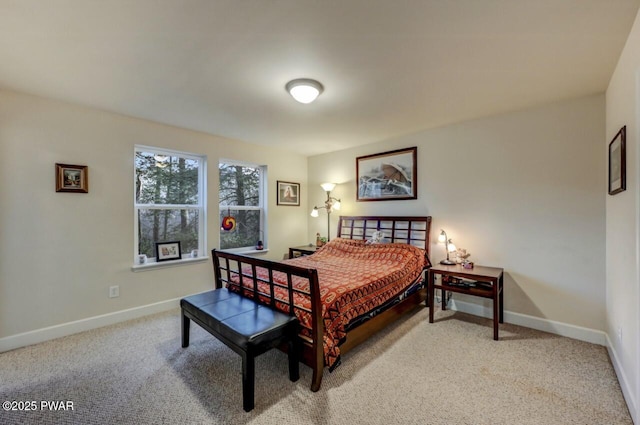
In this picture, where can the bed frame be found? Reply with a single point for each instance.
(410, 230)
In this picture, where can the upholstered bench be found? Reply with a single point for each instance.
(246, 326)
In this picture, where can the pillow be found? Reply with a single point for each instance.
(376, 237)
(345, 241)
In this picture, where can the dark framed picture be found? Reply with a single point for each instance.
(288, 194)
(72, 178)
(618, 162)
(166, 251)
(388, 176)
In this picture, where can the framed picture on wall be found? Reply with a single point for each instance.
(72, 178)
(618, 162)
(166, 251)
(387, 176)
(288, 194)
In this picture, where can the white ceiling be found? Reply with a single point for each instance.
(389, 67)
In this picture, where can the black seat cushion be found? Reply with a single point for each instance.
(242, 321)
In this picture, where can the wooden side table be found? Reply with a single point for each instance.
(302, 250)
(493, 280)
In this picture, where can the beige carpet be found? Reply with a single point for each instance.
(449, 372)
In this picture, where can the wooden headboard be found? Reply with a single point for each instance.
(410, 230)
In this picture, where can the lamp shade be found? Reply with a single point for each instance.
(328, 187)
(442, 238)
(336, 205)
(452, 247)
(304, 90)
(314, 212)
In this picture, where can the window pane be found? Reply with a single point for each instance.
(246, 232)
(239, 185)
(165, 179)
(167, 225)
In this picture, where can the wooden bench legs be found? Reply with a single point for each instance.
(249, 368)
(293, 352)
(247, 328)
(185, 330)
(248, 381)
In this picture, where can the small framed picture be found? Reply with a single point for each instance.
(387, 176)
(288, 194)
(72, 178)
(166, 251)
(618, 162)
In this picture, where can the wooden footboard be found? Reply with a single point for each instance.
(241, 270)
(227, 269)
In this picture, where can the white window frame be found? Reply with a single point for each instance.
(201, 206)
(262, 206)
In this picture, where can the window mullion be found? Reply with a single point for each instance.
(239, 207)
(168, 206)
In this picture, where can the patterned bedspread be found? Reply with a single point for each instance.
(355, 278)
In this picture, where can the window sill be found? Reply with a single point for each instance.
(247, 252)
(167, 264)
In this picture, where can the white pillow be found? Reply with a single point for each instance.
(376, 237)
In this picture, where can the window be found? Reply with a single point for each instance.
(169, 201)
(242, 196)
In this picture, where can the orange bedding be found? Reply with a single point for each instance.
(355, 278)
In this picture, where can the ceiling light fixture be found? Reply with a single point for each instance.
(304, 90)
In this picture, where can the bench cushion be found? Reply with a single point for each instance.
(240, 320)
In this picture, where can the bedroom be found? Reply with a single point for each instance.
(568, 248)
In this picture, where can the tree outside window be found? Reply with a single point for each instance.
(242, 197)
(168, 199)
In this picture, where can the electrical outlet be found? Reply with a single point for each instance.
(114, 291)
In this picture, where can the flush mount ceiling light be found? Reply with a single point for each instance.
(304, 90)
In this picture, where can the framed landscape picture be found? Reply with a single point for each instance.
(288, 193)
(618, 162)
(72, 178)
(387, 176)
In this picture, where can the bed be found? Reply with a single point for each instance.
(346, 291)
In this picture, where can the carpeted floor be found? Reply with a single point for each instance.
(413, 372)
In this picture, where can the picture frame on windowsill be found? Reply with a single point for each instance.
(167, 251)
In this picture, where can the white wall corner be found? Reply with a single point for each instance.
(624, 381)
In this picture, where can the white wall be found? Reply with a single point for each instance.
(521, 191)
(623, 232)
(59, 252)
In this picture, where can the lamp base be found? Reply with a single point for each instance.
(448, 262)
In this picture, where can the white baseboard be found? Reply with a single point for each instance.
(40, 335)
(624, 381)
(558, 328)
(562, 329)
(571, 331)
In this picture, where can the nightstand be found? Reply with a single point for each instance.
(297, 251)
(480, 281)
